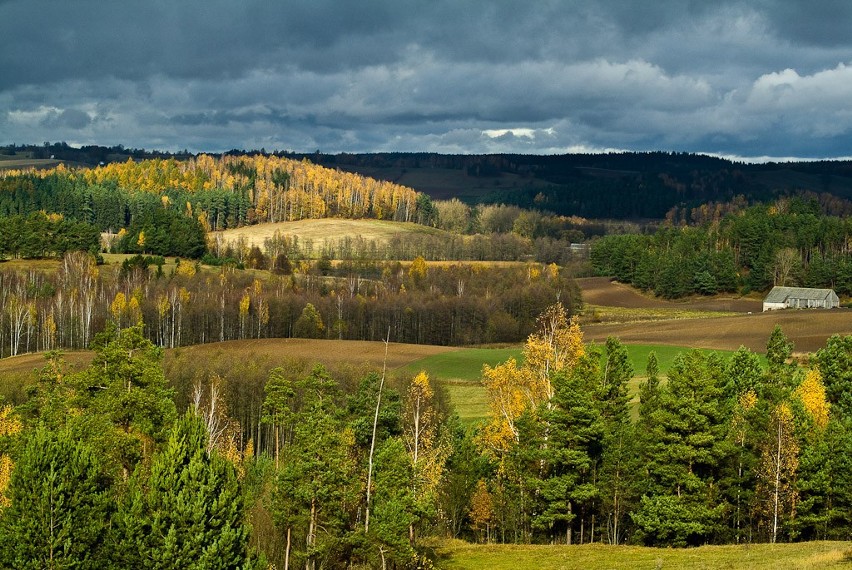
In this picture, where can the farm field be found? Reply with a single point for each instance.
(323, 229)
(8, 162)
(721, 323)
(458, 555)
(327, 352)
(459, 372)
(808, 329)
(19, 371)
(601, 291)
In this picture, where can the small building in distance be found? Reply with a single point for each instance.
(800, 298)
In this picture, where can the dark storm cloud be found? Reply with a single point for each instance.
(756, 78)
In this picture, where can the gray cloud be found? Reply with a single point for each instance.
(736, 77)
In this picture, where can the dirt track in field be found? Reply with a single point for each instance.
(808, 329)
(601, 291)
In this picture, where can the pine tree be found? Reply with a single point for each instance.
(835, 365)
(743, 373)
(618, 467)
(124, 388)
(188, 513)
(568, 451)
(685, 448)
(395, 510)
(60, 506)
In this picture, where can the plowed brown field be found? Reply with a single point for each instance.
(602, 291)
(808, 329)
(323, 351)
(326, 352)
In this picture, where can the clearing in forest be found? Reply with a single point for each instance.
(325, 229)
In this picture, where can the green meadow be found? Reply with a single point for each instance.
(458, 555)
(459, 371)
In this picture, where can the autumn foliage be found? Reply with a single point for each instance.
(230, 191)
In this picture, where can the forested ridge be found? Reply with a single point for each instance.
(102, 467)
(223, 192)
(626, 185)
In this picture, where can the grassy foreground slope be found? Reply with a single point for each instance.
(458, 555)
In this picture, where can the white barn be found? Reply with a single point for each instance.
(800, 298)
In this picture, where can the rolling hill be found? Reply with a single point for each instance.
(324, 229)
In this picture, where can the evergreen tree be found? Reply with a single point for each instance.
(568, 450)
(60, 509)
(835, 365)
(124, 388)
(395, 508)
(618, 469)
(685, 448)
(779, 381)
(188, 512)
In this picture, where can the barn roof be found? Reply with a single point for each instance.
(781, 294)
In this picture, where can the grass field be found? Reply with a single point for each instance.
(324, 229)
(459, 371)
(465, 364)
(458, 555)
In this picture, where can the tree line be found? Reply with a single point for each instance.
(452, 304)
(788, 242)
(39, 235)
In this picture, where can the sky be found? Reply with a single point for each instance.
(742, 79)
